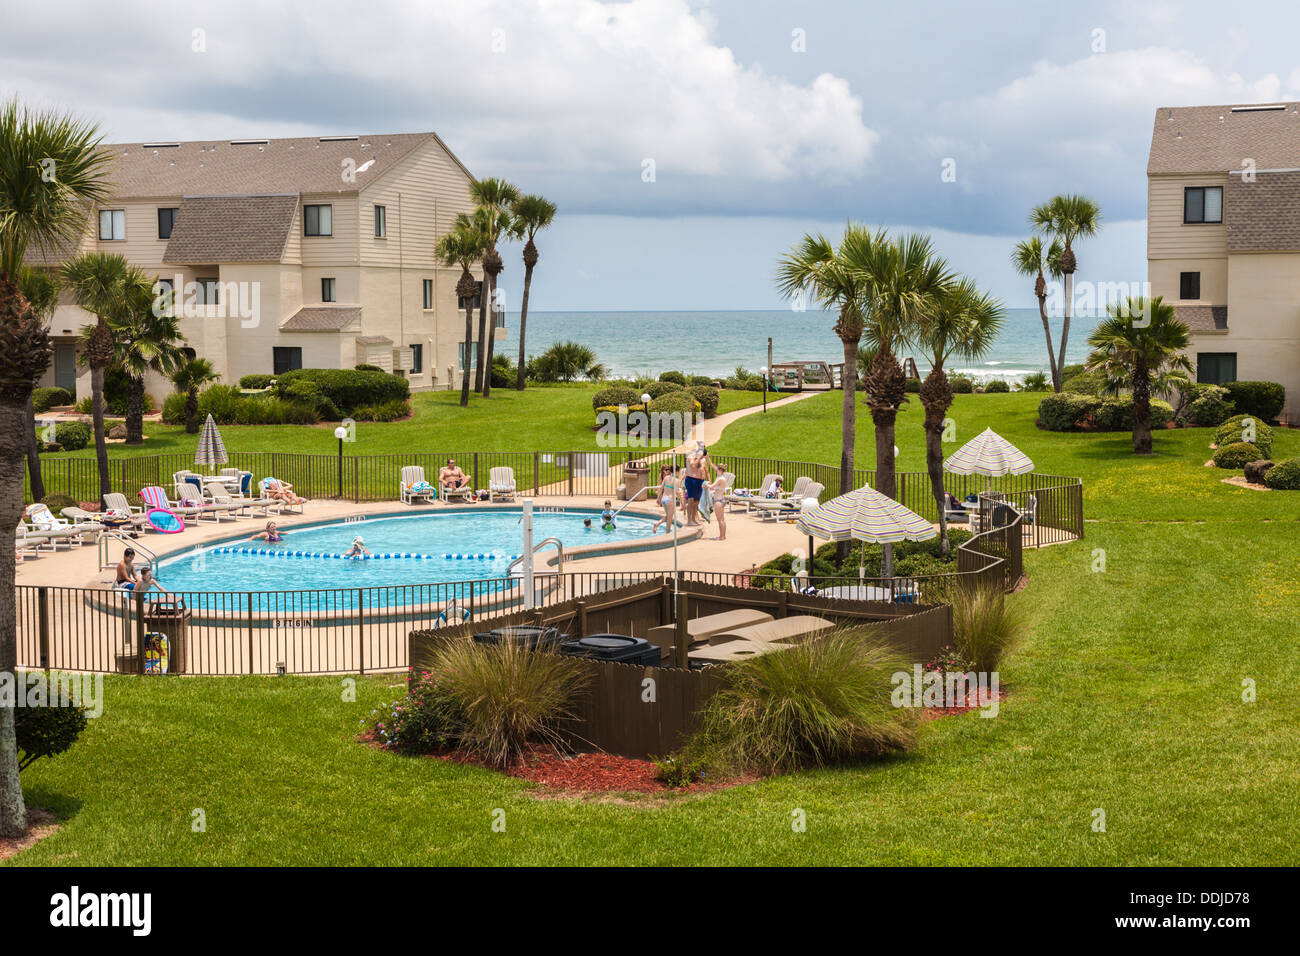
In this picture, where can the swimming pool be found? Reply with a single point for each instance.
(420, 549)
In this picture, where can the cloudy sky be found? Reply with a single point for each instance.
(689, 143)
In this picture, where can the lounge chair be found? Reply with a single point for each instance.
(501, 484)
(222, 499)
(778, 508)
(781, 630)
(414, 487)
(122, 511)
(953, 510)
(155, 499)
(463, 493)
(43, 522)
(29, 540)
(744, 496)
(276, 490)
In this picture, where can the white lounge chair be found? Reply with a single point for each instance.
(744, 496)
(414, 487)
(501, 484)
(463, 493)
(43, 522)
(222, 500)
(786, 507)
(122, 510)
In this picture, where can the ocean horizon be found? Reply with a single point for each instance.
(714, 343)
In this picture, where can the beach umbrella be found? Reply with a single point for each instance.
(211, 450)
(988, 453)
(868, 516)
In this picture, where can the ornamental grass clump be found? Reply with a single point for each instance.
(822, 702)
(986, 625)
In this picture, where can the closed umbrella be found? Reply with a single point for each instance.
(868, 516)
(211, 450)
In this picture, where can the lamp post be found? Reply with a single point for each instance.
(340, 433)
(764, 371)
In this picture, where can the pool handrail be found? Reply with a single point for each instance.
(559, 547)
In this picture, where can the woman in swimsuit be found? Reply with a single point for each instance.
(718, 490)
(270, 534)
(668, 493)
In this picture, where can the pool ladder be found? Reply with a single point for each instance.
(127, 541)
(559, 547)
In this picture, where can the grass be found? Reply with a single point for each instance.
(1126, 696)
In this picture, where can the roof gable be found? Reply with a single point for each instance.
(231, 229)
(1218, 139)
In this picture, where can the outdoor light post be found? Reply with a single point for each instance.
(764, 371)
(340, 433)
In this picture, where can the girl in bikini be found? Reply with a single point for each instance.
(668, 493)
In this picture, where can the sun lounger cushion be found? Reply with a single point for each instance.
(702, 628)
(779, 630)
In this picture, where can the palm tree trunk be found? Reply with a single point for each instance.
(469, 339)
(97, 420)
(1141, 407)
(482, 333)
(1051, 354)
(936, 397)
(886, 390)
(1065, 320)
(13, 419)
(491, 336)
(848, 433)
(523, 324)
(192, 411)
(34, 476)
(135, 412)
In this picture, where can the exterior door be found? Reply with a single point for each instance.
(65, 367)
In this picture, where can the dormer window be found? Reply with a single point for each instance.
(1203, 204)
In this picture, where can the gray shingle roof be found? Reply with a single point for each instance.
(323, 318)
(216, 168)
(1264, 215)
(1203, 318)
(231, 229)
(1214, 139)
(374, 340)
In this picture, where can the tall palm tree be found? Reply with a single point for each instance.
(463, 246)
(904, 282)
(40, 287)
(965, 326)
(532, 214)
(146, 338)
(493, 198)
(100, 282)
(1141, 336)
(1030, 258)
(189, 377)
(51, 169)
(1066, 218)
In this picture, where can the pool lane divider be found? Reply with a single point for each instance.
(378, 555)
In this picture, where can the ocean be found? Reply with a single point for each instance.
(714, 343)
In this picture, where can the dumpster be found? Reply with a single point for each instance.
(636, 476)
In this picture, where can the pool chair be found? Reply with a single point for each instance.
(222, 501)
(27, 540)
(39, 522)
(744, 496)
(414, 487)
(186, 484)
(501, 484)
(450, 494)
(155, 499)
(953, 510)
(122, 512)
(276, 490)
(778, 508)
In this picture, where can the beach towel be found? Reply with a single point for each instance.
(706, 503)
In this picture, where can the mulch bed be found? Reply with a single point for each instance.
(972, 703)
(40, 824)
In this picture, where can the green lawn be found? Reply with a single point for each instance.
(1127, 698)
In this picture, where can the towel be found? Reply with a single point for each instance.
(706, 503)
(419, 487)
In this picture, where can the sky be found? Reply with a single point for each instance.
(689, 144)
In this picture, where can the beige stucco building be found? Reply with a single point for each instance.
(1223, 238)
(288, 253)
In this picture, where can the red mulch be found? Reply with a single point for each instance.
(972, 703)
(40, 824)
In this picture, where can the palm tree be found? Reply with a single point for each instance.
(101, 283)
(904, 283)
(40, 287)
(50, 171)
(532, 214)
(817, 268)
(566, 361)
(145, 340)
(462, 246)
(493, 197)
(965, 325)
(1029, 258)
(1066, 218)
(189, 377)
(1142, 336)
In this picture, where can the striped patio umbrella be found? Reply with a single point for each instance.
(868, 516)
(988, 454)
(211, 450)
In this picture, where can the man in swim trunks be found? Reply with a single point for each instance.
(697, 472)
(451, 476)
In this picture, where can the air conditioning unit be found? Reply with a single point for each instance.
(403, 360)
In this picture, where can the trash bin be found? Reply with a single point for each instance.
(534, 638)
(636, 476)
(169, 620)
(614, 647)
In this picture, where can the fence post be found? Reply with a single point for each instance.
(570, 460)
(477, 486)
(537, 472)
(249, 595)
(682, 639)
(361, 629)
(356, 478)
(137, 601)
(581, 616)
(43, 619)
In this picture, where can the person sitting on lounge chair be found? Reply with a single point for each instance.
(278, 490)
(450, 476)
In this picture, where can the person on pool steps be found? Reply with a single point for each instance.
(607, 518)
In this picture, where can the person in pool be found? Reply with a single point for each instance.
(586, 524)
(271, 534)
(358, 549)
(607, 518)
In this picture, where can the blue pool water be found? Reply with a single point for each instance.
(486, 542)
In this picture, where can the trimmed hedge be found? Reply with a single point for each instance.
(349, 389)
(997, 385)
(614, 396)
(1062, 412)
(1284, 476)
(677, 378)
(1234, 430)
(387, 412)
(708, 397)
(912, 385)
(1264, 400)
(1116, 414)
(961, 385)
(256, 381)
(659, 389)
(1236, 455)
(678, 402)
(73, 436)
(701, 380)
(45, 398)
(1210, 407)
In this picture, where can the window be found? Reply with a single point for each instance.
(473, 356)
(208, 291)
(460, 299)
(428, 293)
(1215, 368)
(285, 359)
(327, 290)
(166, 221)
(417, 359)
(381, 222)
(1203, 204)
(318, 220)
(189, 353)
(1189, 285)
(112, 224)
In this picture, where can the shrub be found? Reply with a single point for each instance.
(1284, 476)
(961, 385)
(427, 720)
(46, 731)
(349, 389)
(392, 411)
(997, 385)
(1116, 414)
(680, 770)
(1210, 406)
(1085, 383)
(702, 380)
(503, 371)
(1236, 455)
(45, 398)
(659, 389)
(256, 381)
(173, 410)
(822, 702)
(679, 402)
(57, 503)
(1064, 411)
(1036, 382)
(508, 697)
(677, 378)
(1236, 429)
(745, 380)
(708, 397)
(614, 396)
(363, 367)
(986, 625)
(73, 436)
(912, 385)
(309, 394)
(1264, 400)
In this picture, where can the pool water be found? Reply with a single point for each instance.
(408, 549)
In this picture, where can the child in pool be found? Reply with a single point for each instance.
(271, 534)
(607, 518)
(358, 549)
(586, 524)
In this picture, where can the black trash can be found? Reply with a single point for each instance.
(614, 647)
(533, 638)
